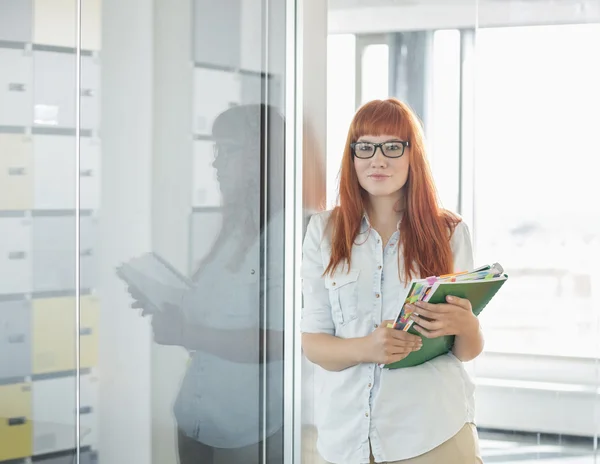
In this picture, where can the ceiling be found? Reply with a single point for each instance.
(347, 4)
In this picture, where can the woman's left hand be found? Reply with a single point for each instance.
(453, 318)
(168, 326)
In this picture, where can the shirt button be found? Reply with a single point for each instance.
(366, 414)
(375, 325)
(333, 283)
(379, 267)
(369, 385)
(377, 296)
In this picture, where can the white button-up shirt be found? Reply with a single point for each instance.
(402, 412)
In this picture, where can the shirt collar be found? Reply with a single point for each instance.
(366, 224)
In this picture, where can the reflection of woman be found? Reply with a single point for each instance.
(220, 409)
(358, 260)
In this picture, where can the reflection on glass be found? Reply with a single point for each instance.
(220, 409)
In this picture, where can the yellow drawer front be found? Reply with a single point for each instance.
(16, 172)
(15, 421)
(89, 322)
(53, 335)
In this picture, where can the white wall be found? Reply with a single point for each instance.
(171, 195)
(124, 345)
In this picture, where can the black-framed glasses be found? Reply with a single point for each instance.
(391, 149)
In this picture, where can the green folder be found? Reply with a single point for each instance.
(478, 292)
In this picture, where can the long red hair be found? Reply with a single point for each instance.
(426, 227)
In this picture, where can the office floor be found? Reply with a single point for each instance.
(514, 448)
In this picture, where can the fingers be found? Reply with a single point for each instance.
(430, 333)
(462, 302)
(441, 308)
(401, 335)
(426, 324)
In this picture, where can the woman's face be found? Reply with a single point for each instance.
(236, 168)
(379, 175)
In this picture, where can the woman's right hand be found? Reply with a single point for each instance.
(385, 345)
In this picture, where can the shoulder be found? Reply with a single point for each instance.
(460, 241)
(316, 227)
(318, 220)
(458, 228)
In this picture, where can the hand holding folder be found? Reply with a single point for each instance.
(478, 286)
(155, 281)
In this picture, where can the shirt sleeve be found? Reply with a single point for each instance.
(316, 309)
(462, 248)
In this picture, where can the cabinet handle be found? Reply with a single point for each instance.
(86, 173)
(16, 421)
(85, 331)
(16, 171)
(16, 255)
(87, 93)
(16, 87)
(16, 338)
(85, 410)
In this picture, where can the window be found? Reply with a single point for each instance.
(536, 211)
(375, 73)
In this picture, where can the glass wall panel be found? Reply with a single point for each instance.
(142, 187)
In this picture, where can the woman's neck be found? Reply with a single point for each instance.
(385, 212)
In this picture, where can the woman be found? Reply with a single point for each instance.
(220, 410)
(358, 260)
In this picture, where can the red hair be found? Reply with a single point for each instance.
(426, 227)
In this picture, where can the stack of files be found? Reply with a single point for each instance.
(478, 286)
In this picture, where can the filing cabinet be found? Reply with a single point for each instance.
(88, 330)
(15, 255)
(16, 87)
(15, 339)
(88, 413)
(214, 92)
(54, 82)
(53, 335)
(54, 23)
(15, 421)
(54, 415)
(16, 18)
(16, 172)
(54, 174)
(54, 182)
(53, 96)
(88, 249)
(206, 187)
(90, 172)
(217, 37)
(87, 456)
(54, 253)
(90, 92)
